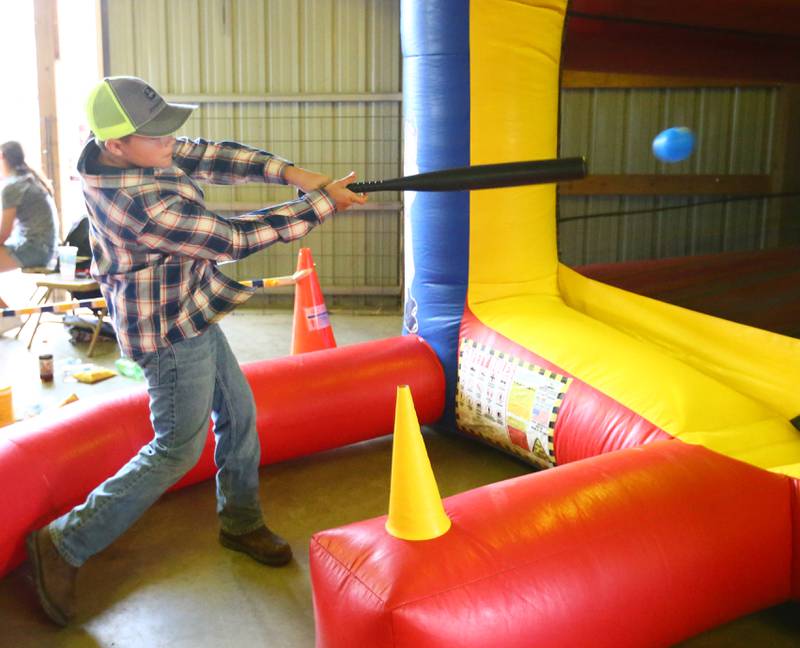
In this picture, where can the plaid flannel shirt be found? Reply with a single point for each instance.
(155, 246)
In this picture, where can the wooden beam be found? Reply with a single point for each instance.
(101, 36)
(364, 97)
(246, 207)
(651, 48)
(772, 17)
(591, 79)
(667, 185)
(46, 32)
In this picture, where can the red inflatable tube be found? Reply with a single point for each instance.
(641, 547)
(306, 403)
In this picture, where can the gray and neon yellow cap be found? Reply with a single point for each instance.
(123, 105)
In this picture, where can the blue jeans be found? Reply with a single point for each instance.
(29, 255)
(186, 382)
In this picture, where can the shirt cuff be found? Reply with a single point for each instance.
(321, 203)
(275, 170)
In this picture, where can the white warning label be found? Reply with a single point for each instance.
(509, 402)
(317, 317)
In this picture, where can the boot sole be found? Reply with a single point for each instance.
(277, 561)
(53, 613)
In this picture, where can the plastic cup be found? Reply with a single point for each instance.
(67, 256)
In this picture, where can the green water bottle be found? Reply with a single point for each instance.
(129, 368)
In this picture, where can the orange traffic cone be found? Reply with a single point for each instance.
(415, 507)
(311, 329)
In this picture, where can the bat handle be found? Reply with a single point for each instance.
(356, 187)
(362, 187)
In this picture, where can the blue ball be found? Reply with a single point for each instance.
(674, 144)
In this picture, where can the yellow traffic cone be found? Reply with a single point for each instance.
(415, 506)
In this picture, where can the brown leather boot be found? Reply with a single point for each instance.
(262, 545)
(55, 577)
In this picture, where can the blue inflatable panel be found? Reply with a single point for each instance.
(435, 40)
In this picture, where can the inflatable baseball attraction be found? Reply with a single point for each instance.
(673, 504)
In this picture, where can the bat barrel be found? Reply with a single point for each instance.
(484, 176)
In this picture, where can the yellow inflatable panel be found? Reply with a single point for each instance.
(792, 471)
(728, 387)
(507, 225)
(681, 400)
(761, 364)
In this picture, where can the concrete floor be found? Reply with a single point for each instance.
(167, 582)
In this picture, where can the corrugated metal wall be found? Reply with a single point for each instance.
(315, 81)
(318, 82)
(614, 128)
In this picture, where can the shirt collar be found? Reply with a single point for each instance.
(110, 177)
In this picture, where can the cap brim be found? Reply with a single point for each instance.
(170, 119)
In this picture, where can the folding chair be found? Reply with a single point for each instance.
(78, 288)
